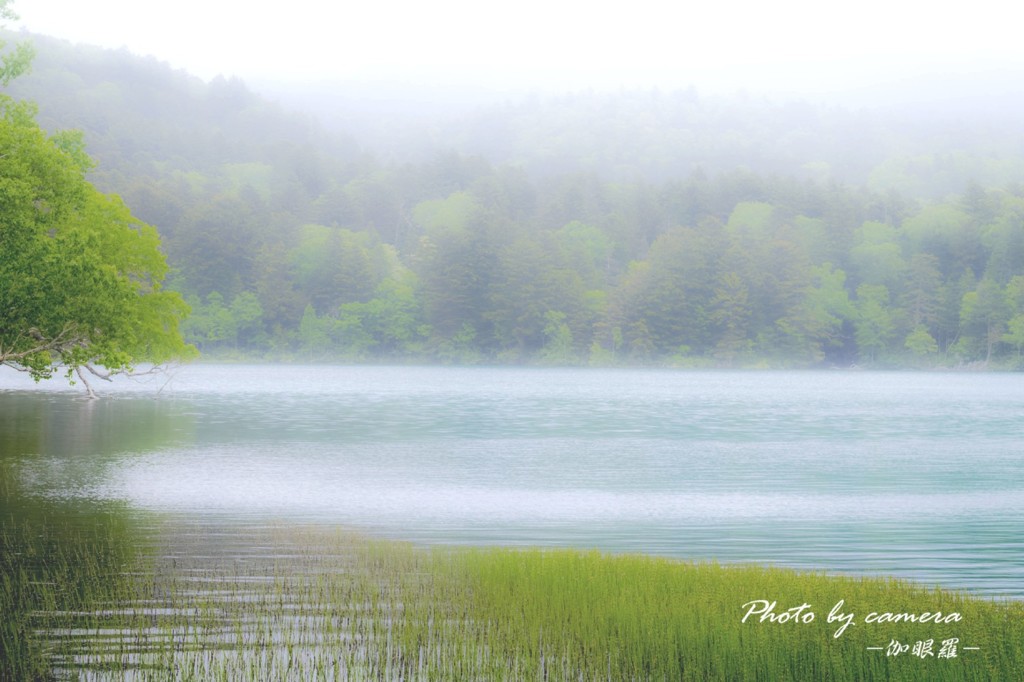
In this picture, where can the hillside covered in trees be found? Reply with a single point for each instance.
(637, 227)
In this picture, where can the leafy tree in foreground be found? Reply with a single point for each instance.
(80, 278)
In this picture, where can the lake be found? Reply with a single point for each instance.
(918, 475)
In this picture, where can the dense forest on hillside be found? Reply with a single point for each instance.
(592, 228)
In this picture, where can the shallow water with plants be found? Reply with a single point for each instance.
(287, 602)
(187, 525)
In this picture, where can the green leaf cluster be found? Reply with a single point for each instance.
(80, 277)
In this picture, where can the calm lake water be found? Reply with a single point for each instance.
(919, 475)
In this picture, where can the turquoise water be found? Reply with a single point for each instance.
(919, 475)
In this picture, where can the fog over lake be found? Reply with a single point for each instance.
(912, 474)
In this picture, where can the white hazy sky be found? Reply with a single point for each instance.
(794, 45)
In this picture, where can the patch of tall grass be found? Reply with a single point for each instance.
(569, 615)
(286, 603)
(55, 558)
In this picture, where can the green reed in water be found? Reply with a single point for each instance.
(286, 603)
(56, 559)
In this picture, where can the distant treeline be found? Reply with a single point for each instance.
(291, 241)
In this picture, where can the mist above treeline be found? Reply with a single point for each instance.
(367, 223)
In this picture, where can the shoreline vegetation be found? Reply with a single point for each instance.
(696, 364)
(202, 601)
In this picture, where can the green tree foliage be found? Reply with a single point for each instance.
(948, 233)
(530, 283)
(13, 63)
(814, 328)
(1015, 310)
(873, 321)
(671, 295)
(920, 342)
(635, 227)
(213, 324)
(333, 266)
(983, 317)
(877, 257)
(558, 341)
(80, 277)
(456, 269)
(587, 250)
(210, 322)
(389, 325)
(215, 244)
(731, 312)
(922, 294)
(1003, 239)
(315, 334)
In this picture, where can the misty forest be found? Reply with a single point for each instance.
(635, 227)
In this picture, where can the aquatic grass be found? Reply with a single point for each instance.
(572, 615)
(248, 601)
(49, 577)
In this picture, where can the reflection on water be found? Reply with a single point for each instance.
(221, 601)
(917, 475)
